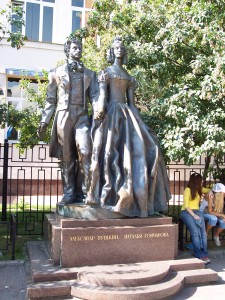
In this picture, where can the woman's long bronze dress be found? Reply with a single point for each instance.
(128, 174)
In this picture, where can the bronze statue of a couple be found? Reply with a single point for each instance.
(114, 161)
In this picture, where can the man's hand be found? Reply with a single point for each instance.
(41, 130)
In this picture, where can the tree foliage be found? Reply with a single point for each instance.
(12, 16)
(27, 121)
(176, 51)
(29, 125)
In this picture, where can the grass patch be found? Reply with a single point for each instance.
(20, 248)
(29, 227)
(27, 207)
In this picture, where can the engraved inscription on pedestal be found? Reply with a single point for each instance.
(113, 241)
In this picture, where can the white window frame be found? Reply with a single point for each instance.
(17, 102)
(21, 3)
(83, 10)
(42, 4)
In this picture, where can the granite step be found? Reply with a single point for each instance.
(156, 291)
(146, 280)
(50, 289)
(42, 268)
(127, 281)
(138, 274)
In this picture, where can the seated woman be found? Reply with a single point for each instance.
(212, 208)
(193, 218)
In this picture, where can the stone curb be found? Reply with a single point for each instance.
(11, 263)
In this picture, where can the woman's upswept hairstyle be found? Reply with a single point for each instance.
(195, 185)
(68, 44)
(110, 53)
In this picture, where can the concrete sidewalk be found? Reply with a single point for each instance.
(13, 282)
(207, 292)
(13, 279)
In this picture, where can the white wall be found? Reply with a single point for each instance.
(32, 56)
(36, 56)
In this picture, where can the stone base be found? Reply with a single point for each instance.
(146, 280)
(122, 259)
(83, 211)
(79, 242)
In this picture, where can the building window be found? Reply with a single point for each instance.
(80, 13)
(47, 24)
(12, 134)
(82, 3)
(78, 3)
(76, 20)
(16, 96)
(39, 20)
(15, 91)
(13, 88)
(32, 21)
(17, 18)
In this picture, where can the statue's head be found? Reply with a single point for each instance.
(110, 53)
(69, 42)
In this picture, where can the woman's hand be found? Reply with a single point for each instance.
(191, 212)
(196, 217)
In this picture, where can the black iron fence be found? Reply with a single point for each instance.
(30, 185)
(8, 235)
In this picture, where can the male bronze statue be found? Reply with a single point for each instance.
(70, 87)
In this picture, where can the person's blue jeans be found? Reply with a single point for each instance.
(198, 234)
(210, 219)
(221, 223)
(214, 220)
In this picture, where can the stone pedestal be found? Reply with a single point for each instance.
(80, 242)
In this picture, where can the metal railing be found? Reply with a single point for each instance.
(30, 186)
(8, 235)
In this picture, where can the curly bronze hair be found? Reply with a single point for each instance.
(110, 53)
(68, 44)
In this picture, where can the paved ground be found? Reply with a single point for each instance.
(209, 292)
(13, 285)
(13, 280)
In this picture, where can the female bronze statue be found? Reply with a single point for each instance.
(128, 173)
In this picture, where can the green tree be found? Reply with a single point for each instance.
(13, 16)
(28, 125)
(176, 51)
(27, 121)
